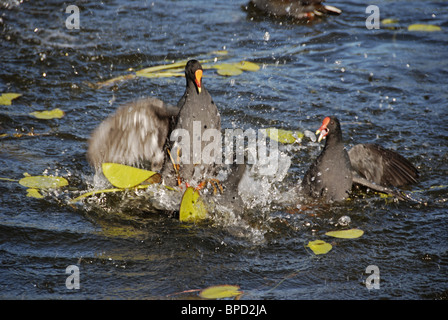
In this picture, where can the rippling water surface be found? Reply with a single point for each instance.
(388, 86)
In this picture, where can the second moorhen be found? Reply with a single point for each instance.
(335, 170)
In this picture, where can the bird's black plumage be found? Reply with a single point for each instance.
(335, 171)
(295, 9)
(139, 132)
(197, 114)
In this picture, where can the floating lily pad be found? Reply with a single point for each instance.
(389, 21)
(175, 69)
(43, 182)
(228, 69)
(192, 208)
(123, 176)
(91, 193)
(346, 234)
(220, 292)
(247, 66)
(112, 190)
(180, 64)
(48, 114)
(220, 52)
(424, 27)
(164, 74)
(6, 98)
(114, 80)
(319, 246)
(34, 193)
(234, 69)
(284, 136)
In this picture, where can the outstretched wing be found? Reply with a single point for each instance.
(382, 166)
(134, 135)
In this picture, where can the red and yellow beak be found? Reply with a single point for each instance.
(323, 130)
(198, 79)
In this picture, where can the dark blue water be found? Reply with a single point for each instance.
(388, 86)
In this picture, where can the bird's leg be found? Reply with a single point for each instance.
(214, 182)
(201, 185)
(218, 183)
(175, 166)
(179, 180)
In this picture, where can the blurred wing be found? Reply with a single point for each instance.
(134, 135)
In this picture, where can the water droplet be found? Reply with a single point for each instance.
(310, 134)
(344, 220)
(266, 36)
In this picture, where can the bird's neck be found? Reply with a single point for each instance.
(334, 141)
(191, 88)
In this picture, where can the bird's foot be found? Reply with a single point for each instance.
(216, 184)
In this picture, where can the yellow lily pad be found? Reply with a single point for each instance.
(123, 176)
(389, 21)
(247, 66)
(48, 114)
(220, 52)
(284, 136)
(234, 69)
(113, 190)
(164, 74)
(34, 193)
(319, 246)
(114, 80)
(424, 27)
(180, 64)
(175, 69)
(43, 182)
(220, 292)
(346, 234)
(192, 208)
(6, 98)
(228, 69)
(8, 179)
(91, 193)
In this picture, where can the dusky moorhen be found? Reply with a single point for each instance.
(196, 109)
(138, 132)
(296, 9)
(335, 170)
